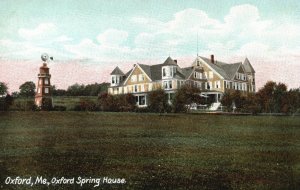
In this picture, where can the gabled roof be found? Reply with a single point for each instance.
(231, 69)
(187, 71)
(215, 66)
(146, 69)
(248, 67)
(169, 61)
(154, 72)
(117, 71)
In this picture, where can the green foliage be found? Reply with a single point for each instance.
(185, 96)
(86, 105)
(84, 90)
(124, 102)
(46, 104)
(273, 98)
(158, 102)
(6, 102)
(27, 89)
(3, 88)
(59, 108)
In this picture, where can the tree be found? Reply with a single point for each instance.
(273, 97)
(106, 102)
(27, 89)
(3, 88)
(185, 96)
(158, 101)
(6, 102)
(58, 92)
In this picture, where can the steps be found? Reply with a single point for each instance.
(215, 106)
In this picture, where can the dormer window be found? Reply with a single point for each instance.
(164, 72)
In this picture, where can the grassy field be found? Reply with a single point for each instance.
(152, 151)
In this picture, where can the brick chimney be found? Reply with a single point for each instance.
(212, 58)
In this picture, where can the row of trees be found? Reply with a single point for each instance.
(158, 101)
(271, 98)
(28, 88)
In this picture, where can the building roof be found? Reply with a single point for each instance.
(169, 61)
(248, 67)
(117, 71)
(226, 70)
(216, 66)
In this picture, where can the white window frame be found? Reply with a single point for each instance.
(211, 74)
(46, 90)
(141, 77)
(133, 78)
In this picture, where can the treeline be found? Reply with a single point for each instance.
(271, 98)
(28, 88)
(81, 90)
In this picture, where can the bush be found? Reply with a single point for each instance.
(6, 102)
(123, 103)
(158, 102)
(59, 108)
(46, 104)
(86, 105)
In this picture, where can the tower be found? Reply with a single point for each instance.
(43, 96)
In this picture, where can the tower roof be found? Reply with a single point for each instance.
(117, 71)
(248, 67)
(169, 61)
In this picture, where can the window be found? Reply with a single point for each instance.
(205, 75)
(142, 100)
(197, 75)
(167, 84)
(113, 79)
(150, 87)
(46, 81)
(211, 74)
(133, 78)
(135, 88)
(46, 90)
(142, 88)
(164, 72)
(141, 77)
(217, 84)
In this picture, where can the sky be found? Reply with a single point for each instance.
(89, 38)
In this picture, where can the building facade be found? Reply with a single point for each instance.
(212, 77)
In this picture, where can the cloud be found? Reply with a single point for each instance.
(112, 37)
(41, 32)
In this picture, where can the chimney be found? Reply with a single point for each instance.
(175, 60)
(212, 58)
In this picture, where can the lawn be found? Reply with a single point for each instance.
(151, 151)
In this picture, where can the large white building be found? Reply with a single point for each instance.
(213, 77)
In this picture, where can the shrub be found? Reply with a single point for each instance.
(46, 104)
(59, 108)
